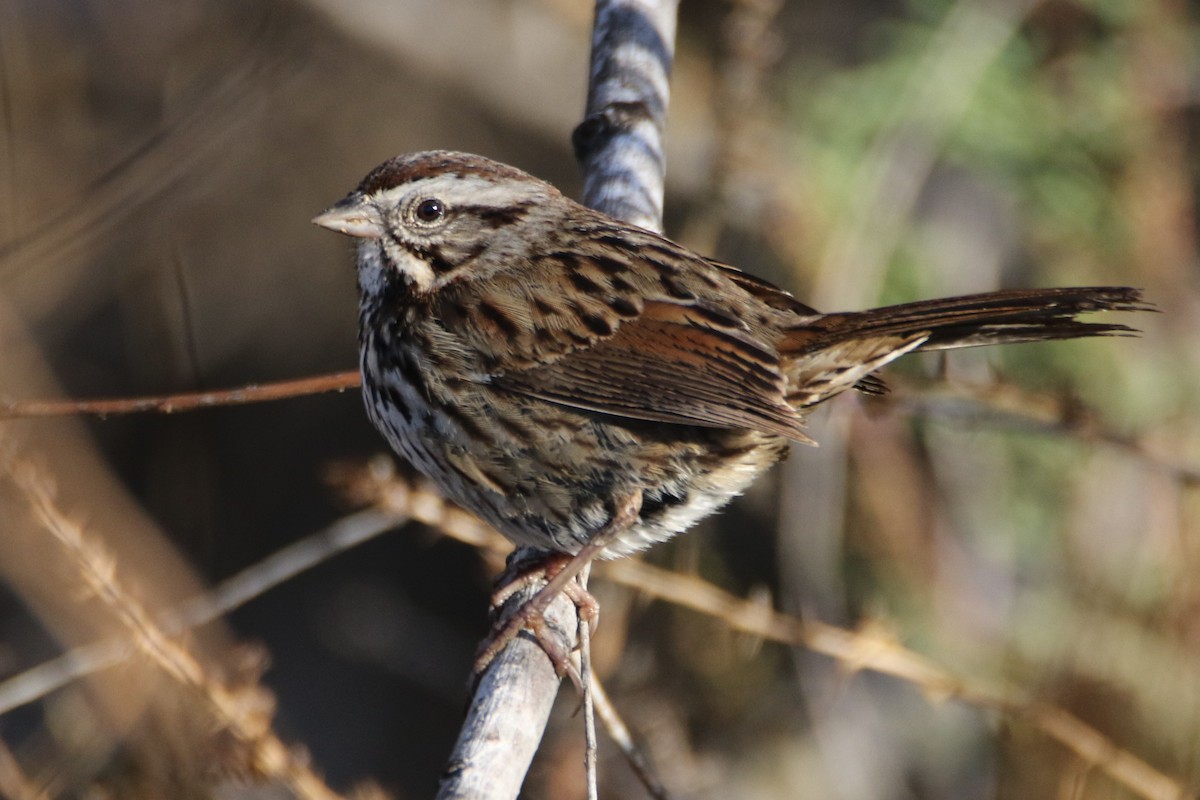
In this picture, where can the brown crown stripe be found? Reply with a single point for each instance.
(407, 168)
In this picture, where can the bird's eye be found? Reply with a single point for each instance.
(431, 210)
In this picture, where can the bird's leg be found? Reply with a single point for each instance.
(559, 570)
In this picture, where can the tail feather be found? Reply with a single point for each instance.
(820, 352)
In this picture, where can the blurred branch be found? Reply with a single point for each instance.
(618, 731)
(1004, 403)
(241, 713)
(177, 149)
(874, 648)
(186, 401)
(619, 144)
(13, 783)
(870, 648)
(232, 593)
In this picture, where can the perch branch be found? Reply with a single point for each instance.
(619, 145)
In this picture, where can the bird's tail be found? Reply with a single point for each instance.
(830, 353)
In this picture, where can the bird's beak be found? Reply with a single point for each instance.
(353, 216)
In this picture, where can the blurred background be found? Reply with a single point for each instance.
(1024, 517)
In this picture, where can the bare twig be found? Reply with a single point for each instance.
(246, 723)
(186, 401)
(999, 403)
(590, 750)
(618, 731)
(281, 566)
(870, 648)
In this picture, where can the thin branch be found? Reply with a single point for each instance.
(590, 750)
(265, 753)
(618, 731)
(870, 648)
(232, 593)
(186, 401)
(875, 649)
(1004, 404)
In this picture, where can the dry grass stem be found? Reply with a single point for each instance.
(254, 581)
(619, 733)
(246, 722)
(13, 783)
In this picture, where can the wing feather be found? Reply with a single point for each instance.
(676, 362)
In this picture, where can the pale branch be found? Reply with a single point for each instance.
(619, 144)
(620, 147)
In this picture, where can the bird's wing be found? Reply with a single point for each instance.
(672, 363)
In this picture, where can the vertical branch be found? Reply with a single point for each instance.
(619, 144)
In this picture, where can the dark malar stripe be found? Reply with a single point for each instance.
(432, 255)
(438, 261)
